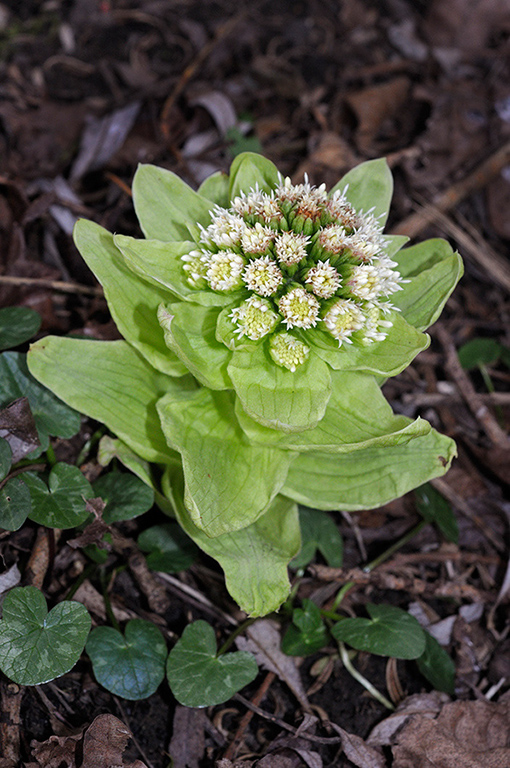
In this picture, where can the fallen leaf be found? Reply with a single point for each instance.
(17, 426)
(187, 745)
(358, 751)
(374, 107)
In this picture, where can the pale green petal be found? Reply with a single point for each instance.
(133, 302)
(166, 207)
(215, 188)
(161, 265)
(370, 185)
(230, 482)
(358, 416)
(253, 559)
(190, 332)
(387, 357)
(276, 397)
(435, 269)
(108, 381)
(250, 169)
(368, 478)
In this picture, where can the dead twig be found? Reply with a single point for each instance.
(233, 747)
(52, 285)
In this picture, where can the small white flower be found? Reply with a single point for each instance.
(226, 229)
(225, 271)
(263, 276)
(257, 239)
(196, 264)
(343, 319)
(248, 204)
(299, 308)
(254, 318)
(334, 238)
(368, 282)
(323, 279)
(291, 248)
(374, 325)
(341, 210)
(288, 351)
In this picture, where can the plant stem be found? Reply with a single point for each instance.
(395, 547)
(238, 631)
(364, 682)
(107, 603)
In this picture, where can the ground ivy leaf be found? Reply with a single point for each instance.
(131, 665)
(437, 666)
(15, 504)
(61, 503)
(190, 332)
(108, 381)
(479, 351)
(249, 169)
(133, 302)
(37, 646)
(433, 270)
(253, 559)
(166, 207)
(200, 678)
(125, 496)
(318, 532)
(230, 483)
(390, 631)
(276, 397)
(17, 324)
(435, 509)
(170, 549)
(367, 478)
(307, 633)
(369, 185)
(51, 415)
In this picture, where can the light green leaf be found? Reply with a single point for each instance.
(51, 415)
(435, 509)
(215, 188)
(393, 243)
(358, 416)
(125, 496)
(370, 185)
(15, 504)
(133, 302)
(368, 478)
(318, 532)
(61, 503)
(190, 332)
(130, 666)
(17, 324)
(110, 382)
(249, 169)
(387, 357)
(166, 207)
(198, 677)
(230, 483)
(434, 270)
(276, 397)
(37, 646)
(253, 559)
(437, 666)
(390, 631)
(170, 549)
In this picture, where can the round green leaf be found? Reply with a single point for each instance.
(170, 550)
(131, 665)
(479, 351)
(5, 457)
(200, 678)
(307, 633)
(125, 496)
(437, 666)
(15, 504)
(17, 324)
(61, 503)
(318, 532)
(37, 646)
(390, 631)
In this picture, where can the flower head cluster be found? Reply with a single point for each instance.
(295, 260)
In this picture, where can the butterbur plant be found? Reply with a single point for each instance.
(260, 319)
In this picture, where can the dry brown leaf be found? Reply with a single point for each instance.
(471, 734)
(358, 751)
(17, 426)
(374, 106)
(419, 704)
(465, 24)
(188, 738)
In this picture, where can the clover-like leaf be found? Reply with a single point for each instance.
(318, 532)
(198, 677)
(307, 633)
(131, 665)
(125, 496)
(15, 504)
(170, 550)
(61, 503)
(17, 324)
(435, 509)
(37, 646)
(51, 415)
(390, 631)
(437, 666)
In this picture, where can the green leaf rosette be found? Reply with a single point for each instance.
(259, 316)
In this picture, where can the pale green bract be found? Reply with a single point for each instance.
(259, 319)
